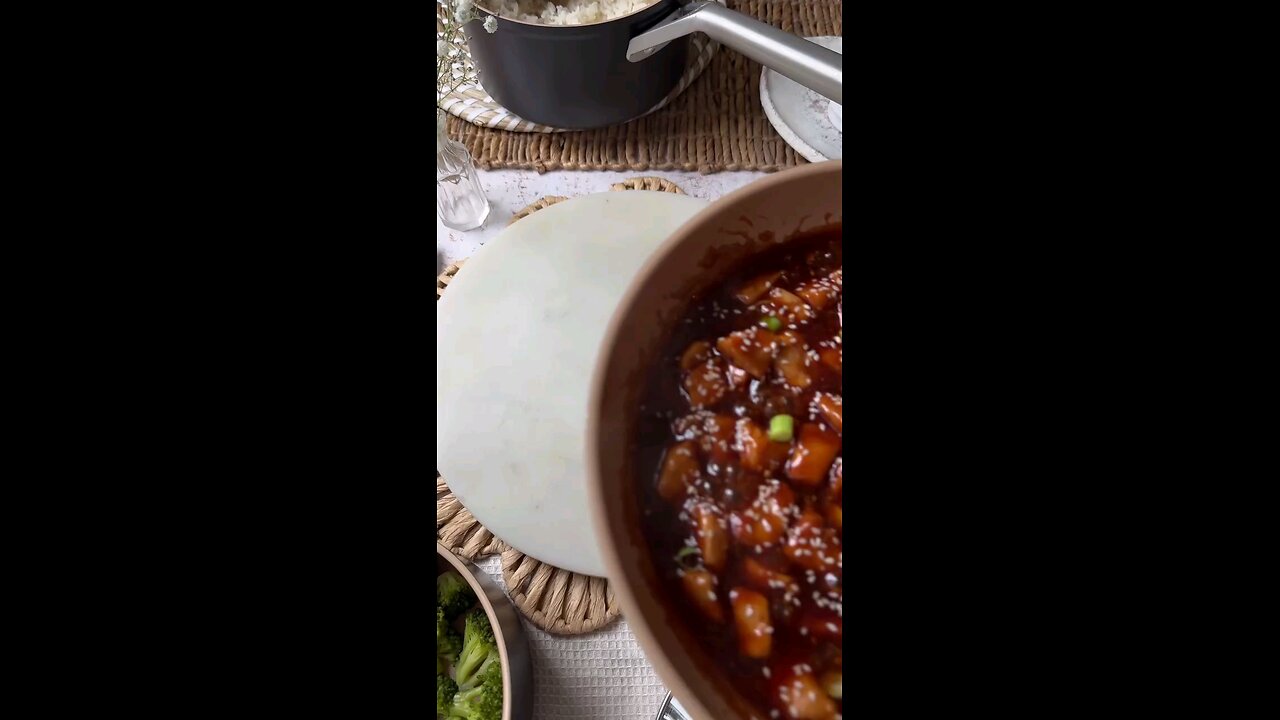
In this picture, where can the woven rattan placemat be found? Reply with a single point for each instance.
(554, 599)
(717, 124)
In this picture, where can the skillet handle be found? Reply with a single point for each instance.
(807, 63)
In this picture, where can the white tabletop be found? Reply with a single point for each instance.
(601, 675)
(512, 190)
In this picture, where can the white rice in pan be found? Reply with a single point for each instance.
(565, 12)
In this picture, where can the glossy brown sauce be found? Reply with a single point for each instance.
(739, 510)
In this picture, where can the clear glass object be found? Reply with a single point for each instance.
(460, 200)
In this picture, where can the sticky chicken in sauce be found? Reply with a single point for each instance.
(741, 452)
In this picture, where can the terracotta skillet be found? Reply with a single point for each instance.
(765, 212)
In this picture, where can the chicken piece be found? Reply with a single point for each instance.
(758, 453)
(756, 288)
(751, 443)
(791, 363)
(831, 407)
(819, 293)
(832, 358)
(751, 349)
(833, 682)
(767, 580)
(680, 471)
(705, 384)
(788, 307)
(800, 697)
(695, 355)
(789, 337)
(751, 617)
(754, 529)
(713, 539)
(738, 378)
(811, 545)
(713, 433)
(835, 516)
(813, 454)
(779, 496)
(766, 520)
(700, 586)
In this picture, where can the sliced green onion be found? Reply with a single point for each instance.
(684, 553)
(773, 323)
(781, 428)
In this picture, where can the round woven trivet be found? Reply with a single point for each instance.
(547, 201)
(457, 528)
(446, 277)
(554, 599)
(655, 184)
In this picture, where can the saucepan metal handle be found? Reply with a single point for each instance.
(805, 62)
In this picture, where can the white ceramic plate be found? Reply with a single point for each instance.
(517, 335)
(800, 114)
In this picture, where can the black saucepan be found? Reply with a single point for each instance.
(589, 76)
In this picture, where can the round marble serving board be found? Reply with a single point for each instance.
(517, 338)
(800, 114)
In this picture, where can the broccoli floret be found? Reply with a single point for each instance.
(483, 701)
(453, 595)
(479, 650)
(448, 642)
(445, 690)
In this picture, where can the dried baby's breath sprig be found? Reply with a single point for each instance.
(454, 67)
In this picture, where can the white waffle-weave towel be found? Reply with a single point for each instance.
(598, 676)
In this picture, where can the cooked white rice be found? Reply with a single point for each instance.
(566, 12)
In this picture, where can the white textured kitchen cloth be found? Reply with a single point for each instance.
(598, 676)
